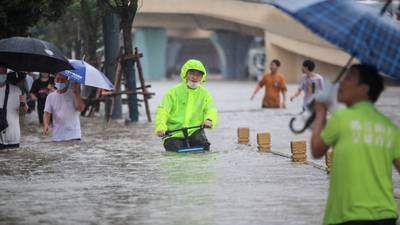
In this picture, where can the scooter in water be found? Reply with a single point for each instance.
(188, 148)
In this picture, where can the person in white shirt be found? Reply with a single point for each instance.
(311, 84)
(64, 105)
(10, 136)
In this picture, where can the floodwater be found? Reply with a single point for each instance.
(121, 175)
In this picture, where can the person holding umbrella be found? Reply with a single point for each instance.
(64, 105)
(365, 146)
(11, 98)
(365, 143)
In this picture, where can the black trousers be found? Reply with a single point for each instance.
(40, 112)
(371, 222)
(8, 146)
(197, 139)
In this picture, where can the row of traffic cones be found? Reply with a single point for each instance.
(298, 148)
(263, 139)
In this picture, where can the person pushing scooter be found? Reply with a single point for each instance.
(187, 104)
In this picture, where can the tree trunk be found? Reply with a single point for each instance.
(127, 11)
(111, 50)
(90, 26)
(129, 69)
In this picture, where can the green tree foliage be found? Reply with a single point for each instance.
(91, 21)
(17, 16)
(78, 30)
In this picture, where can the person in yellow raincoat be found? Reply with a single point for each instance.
(185, 105)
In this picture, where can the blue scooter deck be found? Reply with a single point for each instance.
(194, 149)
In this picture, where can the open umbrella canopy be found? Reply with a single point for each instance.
(86, 74)
(31, 54)
(356, 28)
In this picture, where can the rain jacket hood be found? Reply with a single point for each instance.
(182, 106)
(193, 64)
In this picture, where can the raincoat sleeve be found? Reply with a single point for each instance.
(211, 111)
(163, 111)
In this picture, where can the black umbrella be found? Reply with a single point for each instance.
(31, 54)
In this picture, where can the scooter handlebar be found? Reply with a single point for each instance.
(169, 132)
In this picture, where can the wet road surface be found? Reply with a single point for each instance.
(121, 175)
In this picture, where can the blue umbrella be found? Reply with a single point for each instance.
(86, 74)
(356, 28)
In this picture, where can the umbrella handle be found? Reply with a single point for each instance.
(308, 123)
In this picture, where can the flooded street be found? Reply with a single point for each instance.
(121, 174)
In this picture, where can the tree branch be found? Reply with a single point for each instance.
(132, 8)
(109, 6)
(118, 4)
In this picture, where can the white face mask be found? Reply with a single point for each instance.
(192, 84)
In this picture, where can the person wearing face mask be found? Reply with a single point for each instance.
(12, 96)
(64, 105)
(185, 105)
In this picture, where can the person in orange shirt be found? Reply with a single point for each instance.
(275, 84)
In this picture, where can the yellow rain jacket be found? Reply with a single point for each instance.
(186, 107)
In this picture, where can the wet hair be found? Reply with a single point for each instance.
(369, 75)
(3, 67)
(276, 62)
(310, 65)
(40, 75)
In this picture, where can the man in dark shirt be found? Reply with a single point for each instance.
(39, 91)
